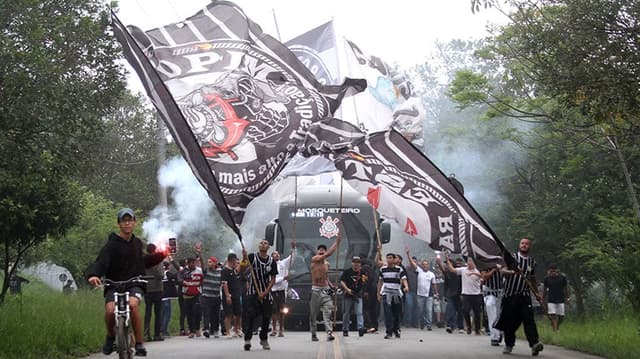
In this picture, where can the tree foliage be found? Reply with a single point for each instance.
(57, 79)
(124, 159)
(569, 69)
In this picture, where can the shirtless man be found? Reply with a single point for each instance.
(320, 289)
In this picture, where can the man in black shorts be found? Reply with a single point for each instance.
(232, 291)
(122, 258)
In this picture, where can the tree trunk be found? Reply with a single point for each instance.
(633, 195)
(578, 292)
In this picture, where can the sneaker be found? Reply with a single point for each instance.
(507, 349)
(107, 347)
(158, 338)
(461, 331)
(429, 329)
(140, 350)
(330, 336)
(536, 348)
(314, 338)
(265, 344)
(247, 345)
(397, 333)
(345, 333)
(216, 335)
(449, 330)
(388, 336)
(495, 343)
(372, 330)
(206, 334)
(273, 334)
(361, 332)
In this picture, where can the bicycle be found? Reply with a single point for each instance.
(124, 342)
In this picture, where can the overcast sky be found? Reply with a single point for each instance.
(398, 31)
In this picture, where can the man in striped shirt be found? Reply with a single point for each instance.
(258, 301)
(210, 299)
(493, 285)
(516, 304)
(391, 286)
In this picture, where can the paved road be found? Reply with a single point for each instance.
(298, 345)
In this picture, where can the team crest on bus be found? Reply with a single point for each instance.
(329, 227)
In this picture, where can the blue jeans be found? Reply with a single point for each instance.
(425, 311)
(166, 316)
(454, 312)
(347, 303)
(409, 317)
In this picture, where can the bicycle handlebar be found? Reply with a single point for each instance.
(137, 279)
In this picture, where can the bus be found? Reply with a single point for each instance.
(315, 216)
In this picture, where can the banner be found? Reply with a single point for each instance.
(236, 101)
(404, 186)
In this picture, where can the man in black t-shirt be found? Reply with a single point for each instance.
(555, 293)
(258, 300)
(352, 283)
(232, 291)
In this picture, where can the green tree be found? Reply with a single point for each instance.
(79, 246)
(58, 78)
(572, 64)
(124, 163)
(557, 62)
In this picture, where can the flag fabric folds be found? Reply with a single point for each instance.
(236, 101)
(404, 186)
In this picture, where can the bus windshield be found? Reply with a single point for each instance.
(310, 229)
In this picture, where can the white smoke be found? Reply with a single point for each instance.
(189, 209)
(192, 217)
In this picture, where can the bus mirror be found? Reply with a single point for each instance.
(385, 232)
(272, 232)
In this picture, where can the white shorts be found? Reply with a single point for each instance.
(556, 309)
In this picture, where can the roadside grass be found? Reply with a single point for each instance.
(43, 323)
(611, 334)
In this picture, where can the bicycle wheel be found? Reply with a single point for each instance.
(123, 343)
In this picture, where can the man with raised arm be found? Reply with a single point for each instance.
(320, 290)
(279, 289)
(258, 301)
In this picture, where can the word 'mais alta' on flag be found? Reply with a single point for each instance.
(235, 100)
(404, 186)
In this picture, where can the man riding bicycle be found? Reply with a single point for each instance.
(121, 258)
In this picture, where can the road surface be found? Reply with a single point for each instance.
(414, 343)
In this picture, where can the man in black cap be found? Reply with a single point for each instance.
(122, 258)
(352, 281)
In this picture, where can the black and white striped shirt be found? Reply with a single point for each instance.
(515, 284)
(495, 282)
(264, 269)
(392, 278)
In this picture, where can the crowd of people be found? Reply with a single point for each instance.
(245, 296)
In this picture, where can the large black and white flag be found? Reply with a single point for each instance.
(236, 101)
(404, 186)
